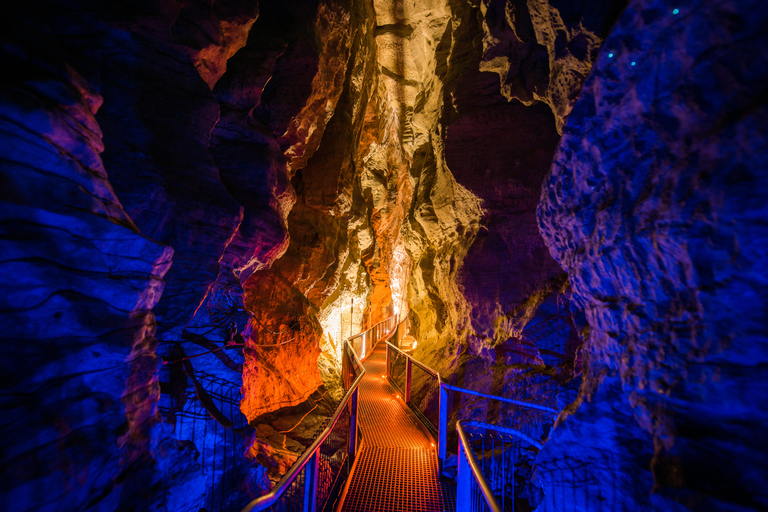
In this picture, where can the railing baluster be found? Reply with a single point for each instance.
(442, 429)
(353, 425)
(463, 482)
(408, 381)
(310, 483)
(470, 481)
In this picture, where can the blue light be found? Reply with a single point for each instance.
(633, 63)
(610, 55)
(675, 11)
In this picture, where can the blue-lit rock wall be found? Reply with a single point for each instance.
(147, 149)
(79, 282)
(656, 207)
(117, 225)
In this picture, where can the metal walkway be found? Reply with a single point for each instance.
(397, 469)
(375, 448)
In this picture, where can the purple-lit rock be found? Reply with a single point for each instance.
(655, 206)
(79, 284)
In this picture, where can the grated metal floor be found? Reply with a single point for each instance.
(397, 466)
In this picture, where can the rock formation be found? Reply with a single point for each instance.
(654, 207)
(280, 175)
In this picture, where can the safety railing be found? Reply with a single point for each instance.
(499, 453)
(220, 437)
(418, 384)
(430, 398)
(314, 480)
(472, 490)
(364, 342)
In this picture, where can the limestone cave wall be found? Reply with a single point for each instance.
(179, 174)
(655, 207)
(489, 305)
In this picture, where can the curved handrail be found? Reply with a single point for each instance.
(272, 496)
(485, 489)
(372, 327)
(269, 499)
(473, 392)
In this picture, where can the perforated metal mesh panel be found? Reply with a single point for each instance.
(449, 494)
(397, 468)
(383, 419)
(395, 480)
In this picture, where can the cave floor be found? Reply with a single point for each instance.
(396, 469)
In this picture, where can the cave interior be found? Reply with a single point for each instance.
(203, 200)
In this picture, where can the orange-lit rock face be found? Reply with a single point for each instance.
(319, 145)
(385, 185)
(212, 33)
(281, 354)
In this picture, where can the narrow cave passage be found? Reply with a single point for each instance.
(537, 225)
(397, 467)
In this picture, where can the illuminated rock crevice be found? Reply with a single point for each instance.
(484, 284)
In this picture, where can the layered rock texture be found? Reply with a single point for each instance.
(489, 305)
(655, 207)
(179, 175)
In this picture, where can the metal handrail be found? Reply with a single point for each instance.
(465, 454)
(272, 496)
(372, 327)
(499, 447)
(365, 349)
(441, 429)
(416, 362)
(471, 391)
(529, 405)
(269, 499)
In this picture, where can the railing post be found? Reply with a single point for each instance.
(345, 368)
(353, 425)
(407, 380)
(442, 429)
(463, 481)
(389, 362)
(310, 483)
